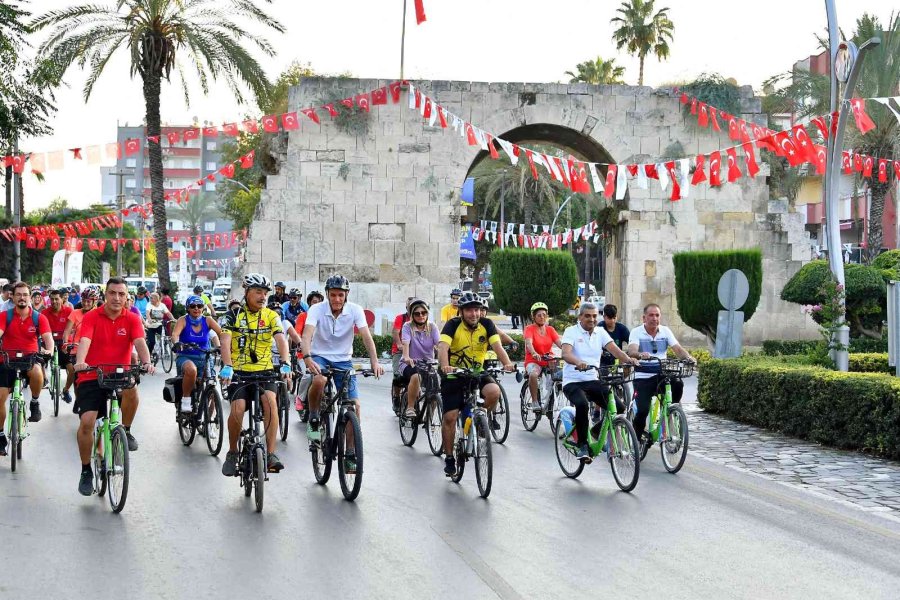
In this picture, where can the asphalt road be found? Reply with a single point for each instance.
(188, 532)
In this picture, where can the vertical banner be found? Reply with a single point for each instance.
(58, 275)
(466, 243)
(73, 268)
(104, 272)
(467, 198)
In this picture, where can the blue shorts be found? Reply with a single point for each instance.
(183, 358)
(353, 392)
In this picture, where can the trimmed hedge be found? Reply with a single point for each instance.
(870, 363)
(888, 260)
(522, 277)
(382, 344)
(858, 411)
(787, 347)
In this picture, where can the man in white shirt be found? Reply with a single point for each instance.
(329, 336)
(652, 339)
(582, 348)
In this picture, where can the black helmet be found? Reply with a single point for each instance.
(417, 302)
(314, 294)
(198, 289)
(337, 282)
(456, 292)
(279, 284)
(141, 290)
(294, 293)
(469, 299)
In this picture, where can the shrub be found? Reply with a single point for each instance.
(874, 362)
(697, 277)
(857, 345)
(858, 411)
(382, 345)
(889, 260)
(522, 277)
(560, 322)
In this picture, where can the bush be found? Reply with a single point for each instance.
(697, 277)
(889, 260)
(787, 347)
(522, 277)
(859, 411)
(560, 322)
(382, 345)
(870, 363)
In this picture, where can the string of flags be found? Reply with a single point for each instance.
(44, 237)
(517, 235)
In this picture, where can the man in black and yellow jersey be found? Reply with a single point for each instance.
(249, 331)
(464, 342)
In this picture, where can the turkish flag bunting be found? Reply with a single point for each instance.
(752, 167)
(715, 169)
(152, 138)
(115, 245)
(734, 172)
(561, 170)
(470, 135)
(676, 187)
(882, 170)
(868, 163)
(804, 143)
(362, 101)
(18, 163)
(191, 134)
(417, 98)
(218, 239)
(42, 243)
(136, 245)
(821, 125)
(76, 152)
(101, 244)
(785, 146)
(442, 117)
(289, 121)
(211, 177)
(714, 119)
(395, 88)
(734, 132)
(858, 163)
(420, 12)
(92, 244)
(231, 129)
(379, 96)
(897, 169)
(37, 162)
(332, 111)
(694, 103)
(311, 114)
(227, 170)
(580, 180)
(764, 139)
(174, 137)
(54, 244)
(863, 122)
(147, 244)
(132, 146)
(742, 126)
(79, 244)
(270, 123)
(251, 126)
(610, 188)
(247, 160)
(651, 172)
(703, 118)
(491, 147)
(426, 109)
(210, 132)
(530, 155)
(348, 102)
(820, 159)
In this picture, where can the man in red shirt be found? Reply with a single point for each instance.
(117, 332)
(58, 316)
(20, 334)
(72, 333)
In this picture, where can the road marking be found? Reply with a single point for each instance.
(488, 575)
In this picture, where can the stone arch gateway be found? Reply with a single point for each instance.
(382, 206)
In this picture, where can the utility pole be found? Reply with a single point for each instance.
(17, 217)
(120, 204)
(587, 257)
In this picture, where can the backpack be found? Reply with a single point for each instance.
(35, 318)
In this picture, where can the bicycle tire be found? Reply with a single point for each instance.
(558, 401)
(568, 463)
(166, 355)
(14, 436)
(245, 464)
(119, 470)
(433, 422)
(321, 452)
(259, 477)
(459, 453)
(284, 411)
(187, 427)
(680, 442)
(484, 464)
(99, 468)
(351, 483)
(213, 420)
(501, 434)
(530, 418)
(409, 428)
(54, 387)
(621, 463)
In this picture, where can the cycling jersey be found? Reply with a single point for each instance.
(251, 338)
(449, 311)
(58, 321)
(468, 347)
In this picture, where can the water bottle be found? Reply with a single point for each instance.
(567, 423)
(467, 422)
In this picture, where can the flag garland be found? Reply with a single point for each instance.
(45, 237)
(493, 232)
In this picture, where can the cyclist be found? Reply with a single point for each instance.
(233, 304)
(23, 329)
(463, 343)
(294, 307)
(450, 310)
(287, 327)
(192, 328)
(396, 354)
(539, 341)
(314, 297)
(154, 316)
(58, 317)
(72, 333)
(419, 338)
(328, 343)
(617, 331)
(582, 346)
(247, 345)
(141, 301)
(118, 332)
(279, 296)
(646, 340)
(37, 301)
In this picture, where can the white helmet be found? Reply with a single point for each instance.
(257, 280)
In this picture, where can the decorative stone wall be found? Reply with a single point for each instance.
(382, 207)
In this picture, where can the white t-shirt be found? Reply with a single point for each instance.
(587, 347)
(333, 339)
(656, 345)
(276, 357)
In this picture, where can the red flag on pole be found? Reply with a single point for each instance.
(420, 12)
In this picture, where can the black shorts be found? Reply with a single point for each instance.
(90, 397)
(242, 391)
(63, 360)
(8, 378)
(452, 390)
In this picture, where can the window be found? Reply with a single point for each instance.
(210, 145)
(209, 226)
(209, 246)
(210, 186)
(130, 183)
(131, 162)
(187, 164)
(210, 166)
(171, 225)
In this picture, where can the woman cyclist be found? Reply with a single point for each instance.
(192, 328)
(419, 338)
(539, 341)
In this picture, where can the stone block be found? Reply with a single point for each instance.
(301, 249)
(366, 213)
(271, 250)
(443, 232)
(448, 254)
(343, 254)
(265, 230)
(381, 184)
(386, 231)
(374, 197)
(363, 253)
(310, 169)
(324, 251)
(283, 271)
(384, 253)
(321, 213)
(330, 155)
(404, 184)
(386, 213)
(404, 253)
(330, 169)
(427, 254)
(417, 232)
(339, 183)
(357, 232)
(334, 197)
(254, 250)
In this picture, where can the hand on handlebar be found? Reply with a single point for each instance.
(645, 355)
(582, 366)
(509, 367)
(447, 369)
(148, 368)
(377, 369)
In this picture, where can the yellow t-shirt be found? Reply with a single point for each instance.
(251, 337)
(468, 347)
(449, 311)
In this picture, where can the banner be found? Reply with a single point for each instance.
(58, 276)
(73, 267)
(466, 243)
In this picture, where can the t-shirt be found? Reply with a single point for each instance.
(469, 346)
(141, 304)
(298, 326)
(155, 315)
(168, 302)
(112, 340)
(543, 344)
(292, 312)
(421, 343)
(586, 347)
(449, 311)
(399, 320)
(252, 335)
(74, 298)
(76, 317)
(333, 339)
(58, 321)
(20, 335)
(276, 357)
(619, 335)
(656, 345)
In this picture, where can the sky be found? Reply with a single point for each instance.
(469, 40)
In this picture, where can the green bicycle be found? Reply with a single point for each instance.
(16, 421)
(613, 435)
(667, 423)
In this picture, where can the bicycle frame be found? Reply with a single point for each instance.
(16, 397)
(341, 400)
(604, 442)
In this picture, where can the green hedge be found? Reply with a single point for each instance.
(787, 347)
(859, 411)
(522, 277)
(382, 344)
(871, 362)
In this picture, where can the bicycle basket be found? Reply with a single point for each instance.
(19, 361)
(116, 378)
(677, 368)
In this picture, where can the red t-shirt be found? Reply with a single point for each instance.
(542, 343)
(399, 320)
(58, 320)
(20, 335)
(299, 325)
(112, 340)
(167, 301)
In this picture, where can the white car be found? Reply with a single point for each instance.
(599, 301)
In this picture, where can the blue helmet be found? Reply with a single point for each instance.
(193, 300)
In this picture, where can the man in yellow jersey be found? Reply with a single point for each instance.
(451, 310)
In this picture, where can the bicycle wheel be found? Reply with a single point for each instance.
(259, 476)
(625, 463)
(484, 465)
(501, 413)
(117, 475)
(187, 427)
(99, 465)
(675, 445)
(351, 478)
(557, 402)
(570, 465)
(54, 387)
(433, 421)
(459, 453)
(213, 420)
(14, 433)
(321, 452)
(284, 410)
(530, 418)
(166, 355)
(409, 428)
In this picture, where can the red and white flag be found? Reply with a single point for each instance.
(251, 126)
(863, 122)
(231, 129)
(289, 121)
(803, 143)
(734, 172)
(270, 123)
(715, 169)
(752, 167)
(311, 114)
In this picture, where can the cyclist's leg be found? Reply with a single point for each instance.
(236, 416)
(130, 403)
(677, 390)
(317, 388)
(270, 416)
(534, 378)
(36, 380)
(187, 370)
(70, 371)
(490, 391)
(575, 393)
(413, 386)
(644, 390)
(352, 394)
(452, 398)
(151, 339)
(91, 405)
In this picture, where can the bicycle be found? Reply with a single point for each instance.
(473, 441)
(112, 468)
(550, 392)
(613, 435)
(284, 402)
(16, 420)
(206, 414)
(669, 425)
(299, 385)
(337, 418)
(253, 454)
(428, 405)
(165, 353)
(501, 410)
(53, 383)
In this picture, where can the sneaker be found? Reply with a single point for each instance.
(67, 397)
(229, 467)
(312, 433)
(3, 445)
(132, 443)
(86, 483)
(314, 419)
(350, 464)
(410, 413)
(450, 466)
(273, 463)
(495, 424)
(535, 405)
(298, 403)
(584, 454)
(186, 405)
(35, 412)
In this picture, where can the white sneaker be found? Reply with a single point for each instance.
(186, 406)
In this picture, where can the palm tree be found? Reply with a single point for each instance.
(525, 199)
(597, 72)
(642, 31)
(156, 33)
(194, 214)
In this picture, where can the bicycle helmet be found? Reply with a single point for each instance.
(417, 302)
(89, 294)
(294, 292)
(256, 280)
(198, 289)
(141, 290)
(315, 294)
(279, 284)
(337, 282)
(193, 300)
(467, 299)
(538, 306)
(455, 292)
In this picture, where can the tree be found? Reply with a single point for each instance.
(156, 33)
(195, 213)
(524, 198)
(522, 277)
(597, 72)
(641, 31)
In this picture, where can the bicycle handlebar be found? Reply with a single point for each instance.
(23, 361)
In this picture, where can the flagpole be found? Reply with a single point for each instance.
(403, 41)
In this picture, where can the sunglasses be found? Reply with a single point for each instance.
(195, 306)
(653, 346)
(420, 313)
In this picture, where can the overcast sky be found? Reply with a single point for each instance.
(472, 40)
